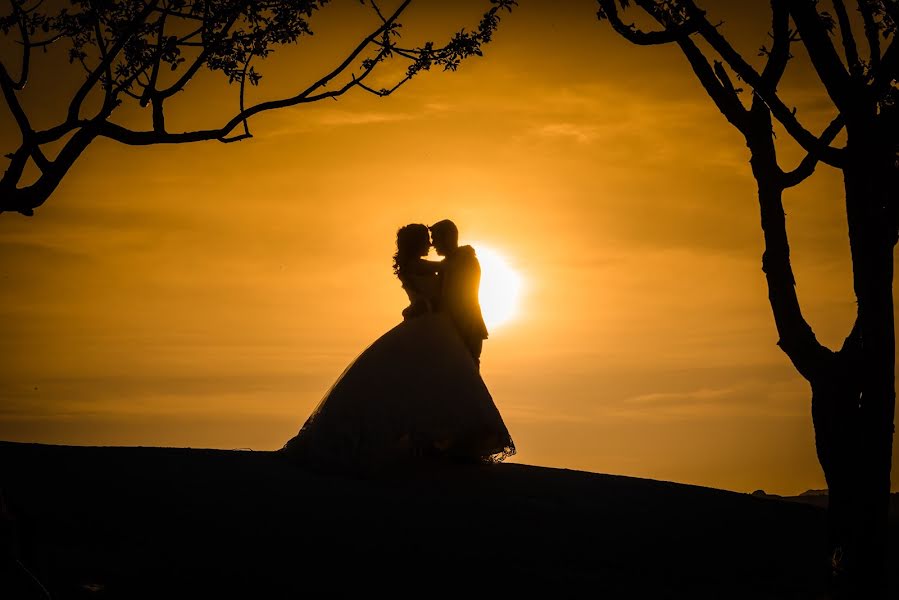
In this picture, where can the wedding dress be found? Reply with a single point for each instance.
(416, 391)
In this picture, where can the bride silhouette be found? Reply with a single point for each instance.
(416, 391)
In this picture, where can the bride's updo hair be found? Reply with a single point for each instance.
(411, 242)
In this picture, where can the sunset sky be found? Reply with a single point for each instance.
(207, 295)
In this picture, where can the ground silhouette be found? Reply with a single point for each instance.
(170, 522)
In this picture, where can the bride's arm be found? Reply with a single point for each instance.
(419, 304)
(419, 284)
(430, 266)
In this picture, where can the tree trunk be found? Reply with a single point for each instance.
(834, 377)
(867, 178)
(796, 337)
(835, 400)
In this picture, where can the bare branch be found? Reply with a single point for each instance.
(796, 337)
(823, 55)
(154, 74)
(37, 155)
(130, 94)
(779, 55)
(609, 10)
(374, 6)
(158, 114)
(236, 138)
(246, 125)
(46, 42)
(17, 162)
(101, 45)
(357, 51)
(807, 166)
(408, 53)
(872, 32)
(716, 84)
(7, 86)
(379, 93)
(59, 131)
(384, 91)
(185, 39)
(809, 141)
(143, 138)
(849, 47)
(714, 78)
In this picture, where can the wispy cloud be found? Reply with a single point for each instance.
(744, 399)
(700, 396)
(306, 120)
(583, 134)
(533, 413)
(43, 252)
(338, 118)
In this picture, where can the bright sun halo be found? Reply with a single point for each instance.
(500, 287)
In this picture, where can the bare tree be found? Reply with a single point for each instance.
(146, 51)
(853, 387)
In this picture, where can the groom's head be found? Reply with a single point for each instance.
(444, 237)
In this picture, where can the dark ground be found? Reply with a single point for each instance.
(168, 522)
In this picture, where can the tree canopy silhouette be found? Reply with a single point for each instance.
(146, 51)
(853, 388)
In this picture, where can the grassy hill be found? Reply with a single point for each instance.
(169, 522)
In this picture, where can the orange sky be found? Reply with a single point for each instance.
(207, 295)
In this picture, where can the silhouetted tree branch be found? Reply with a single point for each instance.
(815, 33)
(848, 39)
(609, 10)
(807, 166)
(872, 31)
(124, 48)
(853, 389)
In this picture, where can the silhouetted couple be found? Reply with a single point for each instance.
(417, 390)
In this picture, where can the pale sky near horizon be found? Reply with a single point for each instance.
(207, 295)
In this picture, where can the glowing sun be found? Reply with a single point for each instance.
(500, 287)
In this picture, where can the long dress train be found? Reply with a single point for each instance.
(415, 391)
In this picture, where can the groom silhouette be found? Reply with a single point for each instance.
(460, 277)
